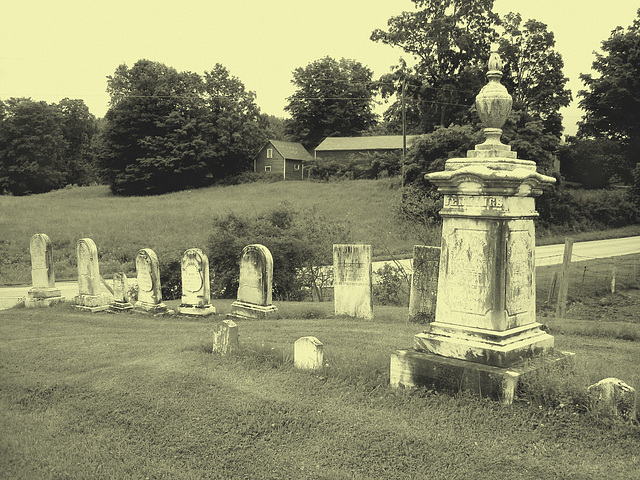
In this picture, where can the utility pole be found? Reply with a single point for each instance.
(404, 130)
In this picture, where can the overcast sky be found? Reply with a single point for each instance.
(54, 49)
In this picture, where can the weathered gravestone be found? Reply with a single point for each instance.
(91, 296)
(254, 289)
(225, 337)
(308, 353)
(612, 397)
(424, 284)
(121, 292)
(485, 332)
(43, 292)
(352, 281)
(149, 287)
(195, 284)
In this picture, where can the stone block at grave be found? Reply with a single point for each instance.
(91, 296)
(485, 309)
(612, 397)
(308, 353)
(43, 280)
(225, 337)
(255, 284)
(195, 284)
(121, 292)
(424, 284)
(352, 281)
(149, 287)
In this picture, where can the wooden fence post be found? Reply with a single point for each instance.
(563, 289)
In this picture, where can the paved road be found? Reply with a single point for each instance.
(545, 255)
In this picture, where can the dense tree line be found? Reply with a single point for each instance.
(45, 146)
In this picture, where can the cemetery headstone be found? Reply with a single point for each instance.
(308, 353)
(225, 337)
(255, 284)
(352, 281)
(149, 287)
(121, 292)
(424, 284)
(195, 284)
(91, 296)
(43, 280)
(485, 324)
(612, 397)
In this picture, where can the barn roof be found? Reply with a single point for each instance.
(291, 150)
(381, 142)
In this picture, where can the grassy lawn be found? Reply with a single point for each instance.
(129, 396)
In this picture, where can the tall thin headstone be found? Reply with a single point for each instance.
(352, 281)
(90, 296)
(254, 289)
(149, 287)
(424, 284)
(43, 292)
(121, 292)
(195, 284)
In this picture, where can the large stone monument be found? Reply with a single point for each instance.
(43, 280)
(352, 278)
(485, 328)
(149, 287)
(254, 289)
(424, 284)
(195, 284)
(91, 296)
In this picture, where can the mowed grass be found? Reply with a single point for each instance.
(171, 223)
(131, 396)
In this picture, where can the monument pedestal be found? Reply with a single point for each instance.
(244, 310)
(152, 308)
(410, 368)
(121, 306)
(196, 310)
(91, 303)
(43, 297)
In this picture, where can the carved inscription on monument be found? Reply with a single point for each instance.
(469, 264)
(490, 203)
(191, 276)
(143, 267)
(519, 278)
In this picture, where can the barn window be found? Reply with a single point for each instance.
(267, 168)
(269, 152)
(296, 166)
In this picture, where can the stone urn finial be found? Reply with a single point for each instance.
(494, 102)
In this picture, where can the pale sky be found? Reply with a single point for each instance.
(54, 49)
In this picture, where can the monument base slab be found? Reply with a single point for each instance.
(496, 348)
(197, 311)
(121, 306)
(249, 310)
(91, 303)
(44, 292)
(36, 302)
(410, 368)
(152, 308)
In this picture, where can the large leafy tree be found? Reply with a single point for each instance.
(32, 147)
(612, 99)
(78, 128)
(332, 98)
(449, 40)
(168, 130)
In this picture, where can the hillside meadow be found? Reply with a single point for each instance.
(171, 223)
